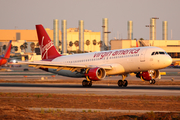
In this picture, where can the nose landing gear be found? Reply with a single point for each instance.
(152, 81)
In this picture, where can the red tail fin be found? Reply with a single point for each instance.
(48, 51)
(4, 58)
(8, 50)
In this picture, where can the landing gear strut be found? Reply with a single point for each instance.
(123, 82)
(152, 81)
(86, 83)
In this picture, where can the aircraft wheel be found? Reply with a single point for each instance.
(89, 83)
(151, 81)
(125, 83)
(120, 83)
(84, 83)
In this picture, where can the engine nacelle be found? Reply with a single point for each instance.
(96, 73)
(3, 61)
(148, 75)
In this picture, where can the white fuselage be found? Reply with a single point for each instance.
(123, 61)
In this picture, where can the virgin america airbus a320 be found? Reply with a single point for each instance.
(145, 62)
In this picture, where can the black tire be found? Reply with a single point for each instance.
(125, 83)
(154, 81)
(84, 83)
(120, 83)
(89, 83)
(151, 81)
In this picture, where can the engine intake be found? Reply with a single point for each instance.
(96, 73)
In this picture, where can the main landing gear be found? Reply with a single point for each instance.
(86, 83)
(123, 82)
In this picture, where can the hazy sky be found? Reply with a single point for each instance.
(24, 14)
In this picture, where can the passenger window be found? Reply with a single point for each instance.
(156, 53)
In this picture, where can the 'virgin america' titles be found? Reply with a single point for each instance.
(119, 52)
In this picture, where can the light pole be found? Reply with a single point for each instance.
(153, 30)
(105, 42)
(150, 26)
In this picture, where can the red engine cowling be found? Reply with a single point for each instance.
(148, 75)
(3, 61)
(96, 73)
(145, 76)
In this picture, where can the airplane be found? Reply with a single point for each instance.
(4, 58)
(145, 62)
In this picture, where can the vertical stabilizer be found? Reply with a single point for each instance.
(47, 48)
(8, 50)
(4, 58)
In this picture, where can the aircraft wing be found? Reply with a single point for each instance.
(60, 66)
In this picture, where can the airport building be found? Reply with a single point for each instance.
(66, 41)
(91, 41)
(19, 37)
(72, 40)
(172, 47)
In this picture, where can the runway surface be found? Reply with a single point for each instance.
(95, 110)
(152, 90)
(18, 74)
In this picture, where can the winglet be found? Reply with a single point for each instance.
(48, 50)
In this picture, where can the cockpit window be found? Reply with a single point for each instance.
(153, 53)
(158, 53)
(161, 53)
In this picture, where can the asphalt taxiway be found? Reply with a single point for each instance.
(18, 74)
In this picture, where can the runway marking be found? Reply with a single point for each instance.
(96, 91)
(96, 110)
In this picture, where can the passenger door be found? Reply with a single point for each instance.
(142, 55)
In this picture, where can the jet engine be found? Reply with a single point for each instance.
(95, 73)
(148, 75)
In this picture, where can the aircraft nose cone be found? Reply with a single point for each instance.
(168, 61)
